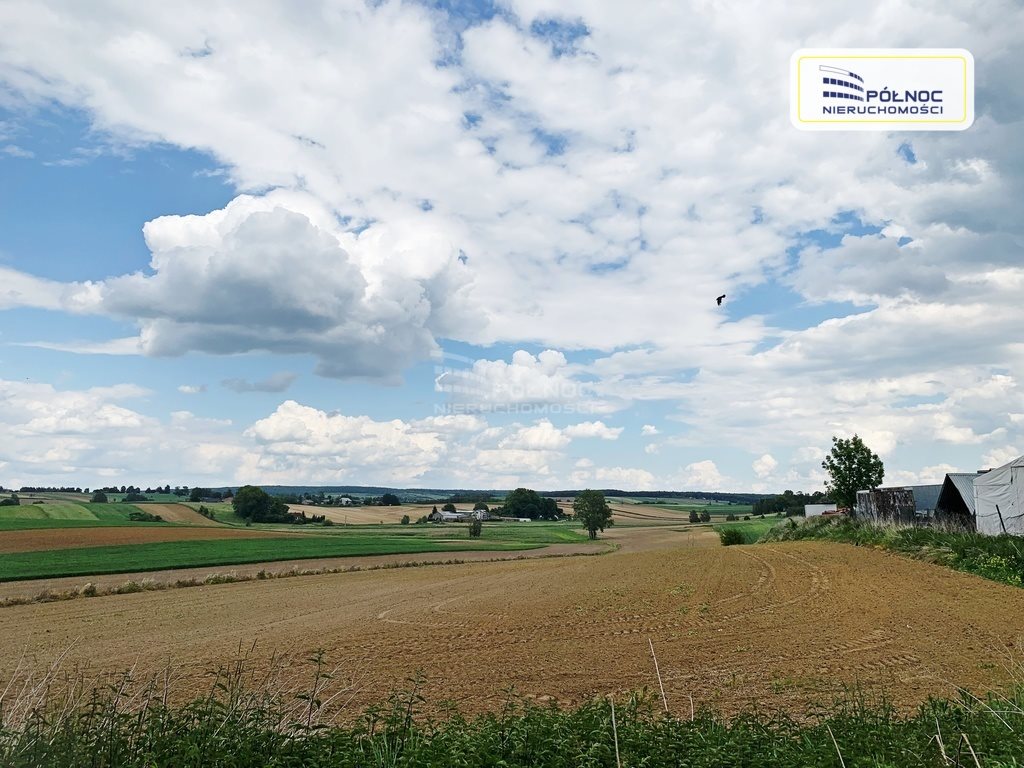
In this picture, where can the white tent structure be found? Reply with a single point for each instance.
(999, 499)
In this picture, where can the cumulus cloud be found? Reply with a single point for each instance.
(764, 466)
(277, 382)
(649, 430)
(593, 429)
(701, 475)
(191, 389)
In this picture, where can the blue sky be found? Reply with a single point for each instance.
(327, 232)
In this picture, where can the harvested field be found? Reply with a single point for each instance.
(177, 513)
(777, 625)
(38, 540)
(364, 515)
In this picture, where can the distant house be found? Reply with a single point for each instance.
(815, 510)
(345, 501)
(440, 516)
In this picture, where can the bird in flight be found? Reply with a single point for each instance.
(719, 299)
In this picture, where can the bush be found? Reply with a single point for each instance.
(694, 517)
(475, 529)
(98, 497)
(730, 536)
(731, 518)
(405, 519)
(705, 516)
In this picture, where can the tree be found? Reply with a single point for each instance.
(481, 506)
(694, 517)
(196, 494)
(705, 516)
(449, 507)
(851, 467)
(257, 506)
(405, 519)
(99, 497)
(591, 509)
(389, 500)
(475, 529)
(523, 502)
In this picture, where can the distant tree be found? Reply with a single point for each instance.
(694, 517)
(593, 511)
(449, 507)
(480, 505)
(390, 500)
(11, 501)
(257, 506)
(197, 494)
(705, 516)
(134, 495)
(434, 510)
(851, 467)
(523, 502)
(98, 497)
(475, 529)
(405, 519)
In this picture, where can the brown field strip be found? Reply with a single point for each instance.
(776, 625)
(177, 513)
(37, 540)
(364, 515)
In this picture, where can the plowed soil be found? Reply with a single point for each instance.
(773, 625)
(64, 538)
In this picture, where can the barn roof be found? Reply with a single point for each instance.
(964, 484)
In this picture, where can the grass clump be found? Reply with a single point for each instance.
(250, 720)
(999, 558)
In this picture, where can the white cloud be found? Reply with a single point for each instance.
(701, 475)
(593, 429)
(649, 430)
(542, 436)
(764, 466)
(617, 478)
(191, 389)
(997, 457)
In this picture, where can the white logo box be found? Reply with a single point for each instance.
(881, 89)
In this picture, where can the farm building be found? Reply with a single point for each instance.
(814, 510)
(886, 505)
(908, 503)
(441, 516)
(955, 505)
(999, 499)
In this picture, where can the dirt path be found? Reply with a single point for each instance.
(786, 624)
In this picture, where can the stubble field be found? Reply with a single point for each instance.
(776, 625)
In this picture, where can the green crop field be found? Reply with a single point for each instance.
(186, 554)
(66, 514)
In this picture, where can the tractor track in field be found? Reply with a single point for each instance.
(783, 624)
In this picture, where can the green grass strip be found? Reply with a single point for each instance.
(86, 561)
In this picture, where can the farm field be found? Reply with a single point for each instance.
(776, 625)
(37, 540)
(156, 549)
(58, 513)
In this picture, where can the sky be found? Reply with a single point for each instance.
(478, 245)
